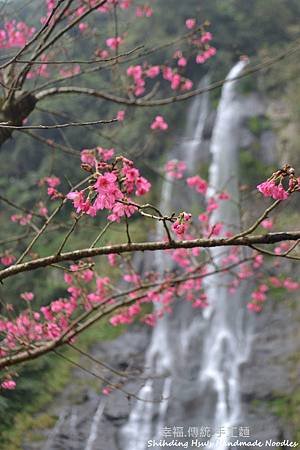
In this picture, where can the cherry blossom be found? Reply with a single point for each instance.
(159, 124)
(8, 384)
(114, 42)
(175, 168)
(27, 296)
(267, 224)
(190, 23)
(180, 226)
(198, 184)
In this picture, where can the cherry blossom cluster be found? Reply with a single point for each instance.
(198, 184)
(52, 183)
(40, 70)
(274, 186)
(21, 219)
(175, 169)
(159, 123)
(144, 11)
(202, 43)
(7, 258)
(15, 34)
(163, 298)
(111, 185)
(181, 224)
(86, 290)
(259, 296)
(140, 73)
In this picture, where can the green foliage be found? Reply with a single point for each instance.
(287, 407)
(258, 124)
(39, 381)
(252, 170)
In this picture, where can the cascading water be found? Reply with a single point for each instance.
(227, 343)
(200, 355)
(159, 359)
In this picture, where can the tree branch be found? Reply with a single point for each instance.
(164, 101)
(76, 255)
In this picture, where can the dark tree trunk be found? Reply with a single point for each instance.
(17, 110)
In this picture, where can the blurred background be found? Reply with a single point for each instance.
(253, 390)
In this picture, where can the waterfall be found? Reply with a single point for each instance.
(159, 359)
(94, 427)
(227, 342)
(199, 355)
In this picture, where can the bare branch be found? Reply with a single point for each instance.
(51, 127)
(76, 255)
(164, 101)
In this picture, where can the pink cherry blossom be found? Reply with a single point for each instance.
(203, 217)
(112, 259)
(186, 85)
(52, 181)
(176, 81)
(190, 23)
(181, 257)
(43, 211)
(125, 4)
(258, 296)
(142, 186)
(83, 26)
(108, 191)
(107, 390)
(15, 34)
(152, 71)
(120, 210)
(198, 184)
(224, 196)
(105, 154)
(7, 259)
(206, 37)
(200, 59)
(211, 205)
(27, 296)
(114, 42)
(267, 224)
(200, 302)
(291, 285)
(279, 193)
(175, 168)
(275, 282)
(258, 261)
(180, 226)
(79, 202)
(266, 188)
(167, 73)
(87, 156)
(22, 220)
(215, 230)
(121, 115)
(135, 72)
(159, 124)
(8, 384)
(143, 11)
(66, 73)
(182, 62)
(254, 307)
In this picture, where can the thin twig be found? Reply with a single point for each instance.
(51, 127)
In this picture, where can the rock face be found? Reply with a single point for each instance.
(270, 379)
(88, 420)
(271, 374)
